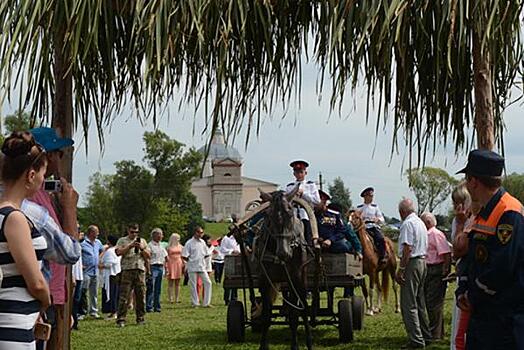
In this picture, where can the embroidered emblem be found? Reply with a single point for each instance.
(504, 233)
(481, 253)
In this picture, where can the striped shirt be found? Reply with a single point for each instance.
(18, 309)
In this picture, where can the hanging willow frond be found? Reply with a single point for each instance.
(238, 58)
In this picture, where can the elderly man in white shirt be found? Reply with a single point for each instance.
(157, 262)
(194, 253)
(412, 248)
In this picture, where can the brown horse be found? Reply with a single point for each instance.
(281, 254)
(372, 268)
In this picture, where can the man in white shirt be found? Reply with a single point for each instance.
(373, 218)
(412, 248)
(307, 190)
(157, 262)
(194, 253)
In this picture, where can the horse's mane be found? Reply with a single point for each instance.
(280, 214)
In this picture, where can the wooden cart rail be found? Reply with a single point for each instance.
(338, 270)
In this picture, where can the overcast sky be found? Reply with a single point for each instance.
(334, 146)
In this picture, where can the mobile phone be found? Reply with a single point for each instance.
(137, 241)
(42, 331)
(52, 186)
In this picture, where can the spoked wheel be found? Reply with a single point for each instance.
(357, 303)
(345, 321)
(235, 322)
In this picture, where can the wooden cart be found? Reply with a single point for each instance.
(336, 270)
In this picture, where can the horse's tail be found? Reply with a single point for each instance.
(385, 284)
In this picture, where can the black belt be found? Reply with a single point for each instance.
(157, 264)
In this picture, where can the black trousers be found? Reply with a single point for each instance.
(378, 237)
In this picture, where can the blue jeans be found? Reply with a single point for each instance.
(91, 285)
(153, 291)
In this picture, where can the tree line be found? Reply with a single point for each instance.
(153, 195)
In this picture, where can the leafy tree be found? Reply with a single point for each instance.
(514, 184)
(170, 218)
(161, 198)
(133, 196)
(340, 194)
(99, 209)
(431, 186)
(17, 121)
(427, 61)
(173, 167)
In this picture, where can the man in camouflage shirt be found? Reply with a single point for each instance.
(135, 253)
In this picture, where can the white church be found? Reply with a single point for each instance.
(222, 190)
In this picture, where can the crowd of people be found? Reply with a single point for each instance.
(39, 238)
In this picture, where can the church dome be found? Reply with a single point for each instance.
(219, 149)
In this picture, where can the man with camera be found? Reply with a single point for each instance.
(135, 253)
(60, 200)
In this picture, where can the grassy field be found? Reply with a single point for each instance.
(180, 326)
(216, 229)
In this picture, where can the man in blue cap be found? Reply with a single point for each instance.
(64, 203)
(491, 286)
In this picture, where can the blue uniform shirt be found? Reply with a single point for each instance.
(330, 226)
(494, 265)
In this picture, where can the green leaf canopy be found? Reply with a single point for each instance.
(237, 58)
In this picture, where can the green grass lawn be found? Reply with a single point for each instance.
(216, 229)
(180, 326)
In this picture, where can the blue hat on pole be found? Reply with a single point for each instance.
(48, 138)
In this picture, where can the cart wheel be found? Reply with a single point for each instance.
(345, 321)
(235, 322)
(357, 304)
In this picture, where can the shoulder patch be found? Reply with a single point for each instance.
(374, 205)
(290, 184)
(360, 205)
(504, 232)
(310, 182)
(333, 211)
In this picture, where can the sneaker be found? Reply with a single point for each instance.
(208, 306)
(81, 317)
(120, 324)
(96, 316)
(158, 310)
(141, 323)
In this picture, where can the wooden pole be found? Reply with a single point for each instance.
(63, 123)
(484, 122)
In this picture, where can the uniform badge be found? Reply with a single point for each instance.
(481, 253)
(504, 233)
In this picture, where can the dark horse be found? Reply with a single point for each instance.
(281, 252)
